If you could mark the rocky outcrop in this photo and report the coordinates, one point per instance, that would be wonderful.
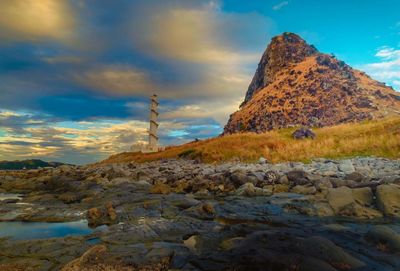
(295, 85)
(184, 215)
(281, 52)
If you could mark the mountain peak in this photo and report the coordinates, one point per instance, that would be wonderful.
(296, 85)
(283, 50)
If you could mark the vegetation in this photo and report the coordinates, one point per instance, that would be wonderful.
(27, 164)
(371, 138)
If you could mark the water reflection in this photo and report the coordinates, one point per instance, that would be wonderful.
(43, 230)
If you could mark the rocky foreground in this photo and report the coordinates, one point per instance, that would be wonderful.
(183, 215)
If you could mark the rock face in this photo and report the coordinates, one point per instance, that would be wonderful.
(296, 85)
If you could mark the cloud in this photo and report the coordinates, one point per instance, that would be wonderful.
(200, 84)
(32, 20)
(387, 69)
(29, 135)
(119, 79)
(388, 53)
(280, 5)
(91, 140)
(89, 101)
(197, 34)
(217, 110)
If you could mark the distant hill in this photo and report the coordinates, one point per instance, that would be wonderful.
(27, 164)
(297, 85)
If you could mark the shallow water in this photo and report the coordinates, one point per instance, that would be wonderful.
(42, 230)
(4, 196)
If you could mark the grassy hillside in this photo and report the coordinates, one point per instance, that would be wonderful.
(372, 138)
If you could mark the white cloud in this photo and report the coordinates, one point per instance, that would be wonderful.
(387, 69)
(388, 53)
(280, 5)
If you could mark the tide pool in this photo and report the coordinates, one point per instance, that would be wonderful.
(42, 230)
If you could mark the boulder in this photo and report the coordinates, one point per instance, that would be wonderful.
(356, 176)
(363, 196)
(303, 133)
(339, 198)
(352, 202)
(248, 189)
(297, 177)
(305, 190)
(346, 166)
(239, 177)
(388, 199)
(262, 161)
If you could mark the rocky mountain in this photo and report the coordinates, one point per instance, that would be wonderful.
(295, 84)
(27, 164)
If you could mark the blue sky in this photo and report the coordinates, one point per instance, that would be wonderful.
(75, 76)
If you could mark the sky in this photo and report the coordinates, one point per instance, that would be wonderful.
(76, 75)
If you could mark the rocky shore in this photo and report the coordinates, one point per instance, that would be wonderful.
(184, 215)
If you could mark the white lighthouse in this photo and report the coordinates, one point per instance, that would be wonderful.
(152, 145)
(153, 138)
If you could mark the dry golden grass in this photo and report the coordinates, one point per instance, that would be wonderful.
(373, 138)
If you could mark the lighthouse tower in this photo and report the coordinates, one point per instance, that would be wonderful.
(153, 138)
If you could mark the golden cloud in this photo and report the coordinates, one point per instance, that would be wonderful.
(116, 79)
(191, 35)
(36, 19)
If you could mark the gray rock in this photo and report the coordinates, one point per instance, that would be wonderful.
(298, 177)
(356, 176)
(303, 133)
(388, 199)
(346, 166)
(248, 189)
(262, 161)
